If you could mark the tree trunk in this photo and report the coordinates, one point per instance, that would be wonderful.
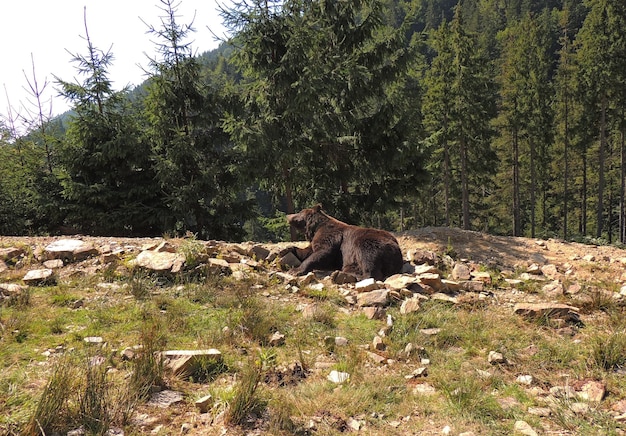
(622, 207)
(465, 186)
(565, 169)
(289, 200)
(517, 222)
(533, 189)
(601, 152)
(583, 208)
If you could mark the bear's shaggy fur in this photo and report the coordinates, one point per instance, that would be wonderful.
(335, 245)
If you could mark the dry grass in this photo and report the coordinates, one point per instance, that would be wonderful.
(66, 390)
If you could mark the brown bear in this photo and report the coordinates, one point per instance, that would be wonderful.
(335, 245)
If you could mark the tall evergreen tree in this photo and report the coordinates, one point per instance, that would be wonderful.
(106, 178)
(194, 163)
(600, 56)
(321, 122)
(473, 109)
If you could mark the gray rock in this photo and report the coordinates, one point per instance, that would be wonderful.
(410, 305)
(373, 298)
(39, 277)
(186, 363)
(549, 310)
(461, 272)
(158, 261)
(165, 399)
(69, 250)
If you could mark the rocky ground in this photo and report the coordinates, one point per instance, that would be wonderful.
(570, 283)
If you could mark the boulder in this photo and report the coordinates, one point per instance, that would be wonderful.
(547, 310)
(373, 298)
(69, 250)
(186, 363)
(39, 277)
(163, 261)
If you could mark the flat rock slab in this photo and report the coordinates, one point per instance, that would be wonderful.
(39, 277)
(373, 298)
(184, 363)
(165, 399)
(159, 260)
(70, 250)
(551, 310)
(10, 253)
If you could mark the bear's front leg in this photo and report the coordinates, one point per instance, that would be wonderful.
(322, 260)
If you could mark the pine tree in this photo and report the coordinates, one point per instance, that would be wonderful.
(472, 112)
(106, 178)
(195, 166)
(322, 118)
(600, 56)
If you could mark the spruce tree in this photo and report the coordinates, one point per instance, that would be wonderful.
(196, 168)
(106, 176)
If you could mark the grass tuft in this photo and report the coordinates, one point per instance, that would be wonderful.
(246, 399)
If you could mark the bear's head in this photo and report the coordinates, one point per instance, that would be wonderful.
(307, 221)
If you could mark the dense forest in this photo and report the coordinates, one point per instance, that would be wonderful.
(504, 116)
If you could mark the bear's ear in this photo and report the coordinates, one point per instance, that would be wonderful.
(317, 207)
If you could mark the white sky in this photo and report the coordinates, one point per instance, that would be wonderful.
(48, 29)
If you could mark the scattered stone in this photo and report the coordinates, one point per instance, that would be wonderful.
(9, 254)
(204, 404)
(70, 250)
(342, 278)
(523, 428)
(217, 266)
(376, 358)
(481, 276)
(354, 424)
(410, 305)
(37, 277)
(93, 340)
(547, 310)
(419, 372)
(461, 272)
(403, 281)
(431, 280)
(373, 298)
(53, 264)
(310, 311)
(277, 339)
(496, 358)
(540, 411)
(430, 331)
(550, 271)
(592, 391)
(11, 291)
(419, 257)
(187, 363)
(158, 261)
(260, 253)
(444, 297)
(372, 312)
(307, 279)
(424, 389)
(378, 344)
(525, 379)
(553, 289)
(574, 289)
(165, 399)
(338, 377)
(579, 408)
(367, 285)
